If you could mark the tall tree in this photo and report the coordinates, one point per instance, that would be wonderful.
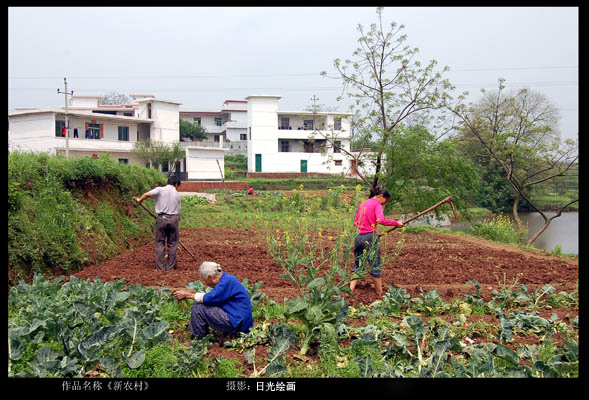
(388, 86)
(192, 130)
(519, 132)
(158, 154)
(419, 171)
(114, 98)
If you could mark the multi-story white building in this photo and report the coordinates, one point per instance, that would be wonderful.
(96, 129)
(274, 141)
(296, 141)
(227, 126)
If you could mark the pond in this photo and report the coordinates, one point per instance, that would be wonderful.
(563, 231)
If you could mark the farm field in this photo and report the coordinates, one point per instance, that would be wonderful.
(428, 261)
(454, 305)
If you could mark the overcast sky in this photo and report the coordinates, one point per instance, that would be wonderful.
(201, 57)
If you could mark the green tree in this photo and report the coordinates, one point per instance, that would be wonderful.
(419, 171)
(494, 192)
(192, 130)
(158, 154)
(388, 86)
(519, 133)
(114, 98)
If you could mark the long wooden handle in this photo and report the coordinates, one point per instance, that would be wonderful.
(179, 241)
(446, 200)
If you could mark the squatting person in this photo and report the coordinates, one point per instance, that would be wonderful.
(167, 207)
(368, 216)
(226, 309)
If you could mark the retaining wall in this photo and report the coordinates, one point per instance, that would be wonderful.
(195, 186)
(286, 175)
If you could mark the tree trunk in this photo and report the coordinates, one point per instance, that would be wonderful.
(539, 232)
(515, 214)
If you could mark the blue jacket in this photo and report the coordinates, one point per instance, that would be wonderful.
(233, 298)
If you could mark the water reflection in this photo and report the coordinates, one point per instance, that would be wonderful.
(563, 231)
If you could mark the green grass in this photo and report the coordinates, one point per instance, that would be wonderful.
(63, 212)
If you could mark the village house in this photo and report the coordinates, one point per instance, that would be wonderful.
(226, 127)
(275, 141)
(96, 129)
(296, 141)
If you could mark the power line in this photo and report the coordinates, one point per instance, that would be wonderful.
(218, 89)
(269, 75)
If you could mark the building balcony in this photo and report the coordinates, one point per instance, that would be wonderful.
(305, 134)
(204, 143)
(83, 144)
(215, 129)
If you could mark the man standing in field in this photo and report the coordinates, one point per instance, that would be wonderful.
(226, 309)
(366, 248)
(167, 207)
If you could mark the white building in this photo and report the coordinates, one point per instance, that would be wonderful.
(296, 141)
(95, 129)
(227, 126)
(274, 141)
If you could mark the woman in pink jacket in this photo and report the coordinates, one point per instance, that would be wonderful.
(368, 217)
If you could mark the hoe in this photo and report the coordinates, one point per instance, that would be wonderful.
(179, 241)
(446, 200)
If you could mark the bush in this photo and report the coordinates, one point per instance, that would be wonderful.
(63, 212)
(500, 228)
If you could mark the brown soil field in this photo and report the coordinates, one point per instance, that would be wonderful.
(427, 260)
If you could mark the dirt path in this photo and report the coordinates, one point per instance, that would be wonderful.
(427, 260)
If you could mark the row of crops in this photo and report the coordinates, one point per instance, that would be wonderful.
(83, 328)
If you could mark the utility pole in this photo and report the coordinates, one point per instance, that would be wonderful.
(314, 98)
(67, 127)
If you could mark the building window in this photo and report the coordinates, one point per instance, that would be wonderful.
(243, 136)
(284, 148)
(308, 124)
(93, 131)
(124, 133)
(59, 125)
(124, 160)
(308, 146)
(216, 139)
(104, 112)
(284, 123)
(128, 114)
(165, 167)
(218, 121)
(338, 163)
(337, 146)
(149, 110)
(337, 124)
(197, 120)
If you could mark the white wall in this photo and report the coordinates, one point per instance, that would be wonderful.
(112, 155)
(84, 101)
(166, 125)
(32, 132)
(291, 162)
(201, 163)
(263, 123)
(111, 128)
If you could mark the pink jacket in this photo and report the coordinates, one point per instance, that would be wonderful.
(369, 215)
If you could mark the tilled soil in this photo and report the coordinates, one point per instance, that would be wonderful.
(427, 260)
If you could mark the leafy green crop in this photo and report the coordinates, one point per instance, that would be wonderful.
(96, 324)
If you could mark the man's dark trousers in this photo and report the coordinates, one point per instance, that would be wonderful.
(166, 228)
